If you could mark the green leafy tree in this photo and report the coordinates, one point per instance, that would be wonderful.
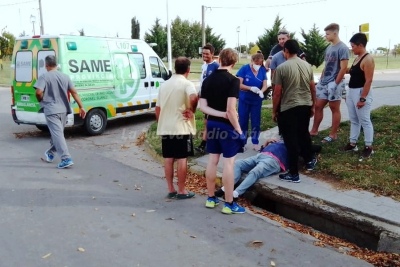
(314, 46)
(183, 34)
(215, 40)
(269, 39)
(7, 41)
(135, 28)
(187, 38)
(158, 35)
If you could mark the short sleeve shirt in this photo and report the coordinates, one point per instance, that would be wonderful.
(173, 99)
(333, 55)
(55, 86)
(207, 69)
(250, 79)
(277, 59)
(295, 76)
(217, 88)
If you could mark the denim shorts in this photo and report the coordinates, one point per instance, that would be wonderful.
(222, 139)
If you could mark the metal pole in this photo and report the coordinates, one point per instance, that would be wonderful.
(33, 24)
(169, 40)
(203, 26)
(41, 18)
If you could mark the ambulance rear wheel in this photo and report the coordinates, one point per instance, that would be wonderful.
(95, 122)
(43, 128)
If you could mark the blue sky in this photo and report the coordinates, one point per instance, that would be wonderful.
(101, 18)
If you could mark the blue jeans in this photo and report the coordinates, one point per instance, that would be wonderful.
(257, 167)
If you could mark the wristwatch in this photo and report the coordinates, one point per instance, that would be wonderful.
(362, 99)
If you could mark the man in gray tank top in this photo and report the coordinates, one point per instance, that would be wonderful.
(331, 84)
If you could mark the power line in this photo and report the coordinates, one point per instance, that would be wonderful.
(279, 5)
(20, 3)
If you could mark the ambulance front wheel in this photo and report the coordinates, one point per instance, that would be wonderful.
(95, 122)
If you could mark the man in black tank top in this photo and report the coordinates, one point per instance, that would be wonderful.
(359, 97)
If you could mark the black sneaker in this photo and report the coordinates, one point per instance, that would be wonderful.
(366, 153)
(349, 147)
(294, 178)
(310, 166)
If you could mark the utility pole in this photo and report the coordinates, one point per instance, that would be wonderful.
(41, 18)
(169, 43)
(203, 26)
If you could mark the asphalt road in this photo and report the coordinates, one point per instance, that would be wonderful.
(109, 210)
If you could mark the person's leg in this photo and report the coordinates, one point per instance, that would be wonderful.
(336, 117)
(318, 115)
(243, 165)
(169, 174)
(304, 138)
(227, 178)
(335, 98)
(322, 100)
(255, 115)
(181, 172)
(265, 167)
(211, 173)
(288, 129)
(353, 96)
(56, 124)
(244, 113)
(364, 115)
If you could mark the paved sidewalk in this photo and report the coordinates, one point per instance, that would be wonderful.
(375, 213)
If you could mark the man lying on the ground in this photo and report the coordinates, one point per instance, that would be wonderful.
(271, 159)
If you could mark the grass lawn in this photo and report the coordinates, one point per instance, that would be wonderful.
(380, 174)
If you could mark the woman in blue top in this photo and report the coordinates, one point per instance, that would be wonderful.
(253, 84)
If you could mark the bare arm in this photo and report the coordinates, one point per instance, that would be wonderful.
(276, 101)
(210, 111)
(313, 97)
(39, 94)
(158, 111)
(75, 95)
(242, 86)
(232, 114)
(368, 66)
(342, 72)
(264, 86)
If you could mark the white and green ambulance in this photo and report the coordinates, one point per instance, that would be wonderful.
(114, 77)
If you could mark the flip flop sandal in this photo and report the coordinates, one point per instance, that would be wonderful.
(185, 196)
(172, 195)
(328, 139)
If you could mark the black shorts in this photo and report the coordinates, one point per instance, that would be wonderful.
(177, 146)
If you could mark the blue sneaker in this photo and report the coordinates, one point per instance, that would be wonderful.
(65, 163)
(233, 208)
(212, 202)
(310, 166)
(48, 156)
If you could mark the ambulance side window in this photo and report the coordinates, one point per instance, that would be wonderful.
(23, 66)
(155, 67)
(137, 60)
(41, 68)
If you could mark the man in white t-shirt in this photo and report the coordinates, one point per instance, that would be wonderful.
(175, 108)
